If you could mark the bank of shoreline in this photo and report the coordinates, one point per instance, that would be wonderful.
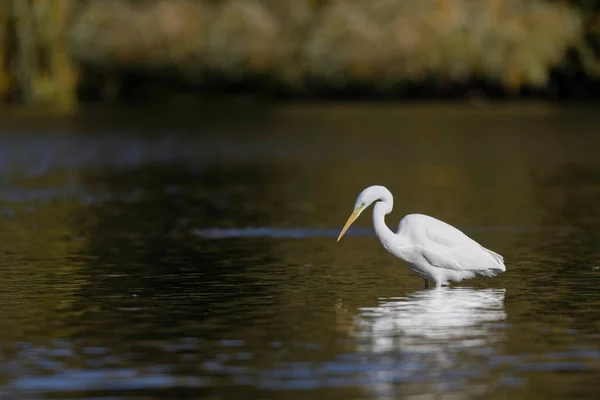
(71, 52)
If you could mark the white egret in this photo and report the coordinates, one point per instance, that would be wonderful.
(433, 249)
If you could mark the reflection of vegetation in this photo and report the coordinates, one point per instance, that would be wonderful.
(294, 45)
(570, 196)
(142, 243)
(552, 273)
(41, 268)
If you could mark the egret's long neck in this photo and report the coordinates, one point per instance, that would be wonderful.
(385, 234)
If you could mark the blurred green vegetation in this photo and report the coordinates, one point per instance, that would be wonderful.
(37, 65)
(60, 51)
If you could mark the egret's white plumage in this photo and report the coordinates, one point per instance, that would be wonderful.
(433, 249)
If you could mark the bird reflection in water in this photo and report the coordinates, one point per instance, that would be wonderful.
(431, 318)
(430, 337)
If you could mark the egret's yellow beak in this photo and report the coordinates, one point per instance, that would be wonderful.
(351, 219)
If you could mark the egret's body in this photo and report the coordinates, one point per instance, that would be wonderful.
(433, 249)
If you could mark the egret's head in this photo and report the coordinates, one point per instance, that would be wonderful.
(364, 200)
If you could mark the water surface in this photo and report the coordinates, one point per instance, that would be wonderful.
(195, 257)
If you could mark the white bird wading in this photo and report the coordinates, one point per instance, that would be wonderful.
(433, 249)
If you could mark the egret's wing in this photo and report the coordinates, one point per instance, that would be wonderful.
(460, 260)
(447, 247)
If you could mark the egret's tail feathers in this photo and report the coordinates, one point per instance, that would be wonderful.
(496, 255)
(499, 260)
(490, 273)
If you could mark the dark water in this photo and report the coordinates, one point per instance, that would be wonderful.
(159, 258)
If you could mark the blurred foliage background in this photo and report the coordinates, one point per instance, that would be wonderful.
(64, 52)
